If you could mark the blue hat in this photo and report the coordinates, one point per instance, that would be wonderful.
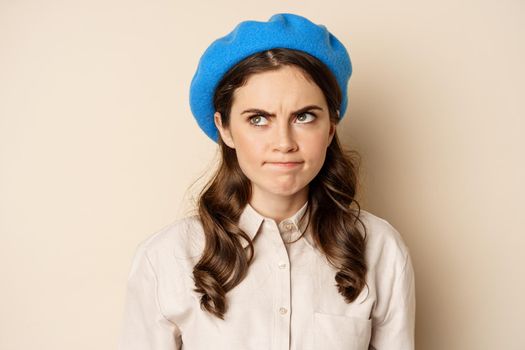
(283, 30)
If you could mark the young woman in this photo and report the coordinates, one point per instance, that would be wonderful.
(278, 256)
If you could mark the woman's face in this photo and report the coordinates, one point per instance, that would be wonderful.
(280, 129)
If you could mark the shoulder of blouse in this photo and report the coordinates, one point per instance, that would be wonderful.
(384, 242)
(183, 238)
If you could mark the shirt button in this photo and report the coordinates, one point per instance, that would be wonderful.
(283, 310)
(288, 226)
(282, 265)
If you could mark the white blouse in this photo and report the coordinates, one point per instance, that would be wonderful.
(288, 299)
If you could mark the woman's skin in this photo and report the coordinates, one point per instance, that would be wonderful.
(278, 191)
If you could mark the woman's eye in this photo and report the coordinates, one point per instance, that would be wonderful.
(301, 117)
(256, 119)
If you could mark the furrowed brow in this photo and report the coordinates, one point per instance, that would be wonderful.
(263, 112)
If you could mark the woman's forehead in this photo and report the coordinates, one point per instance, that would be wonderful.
(286, 85)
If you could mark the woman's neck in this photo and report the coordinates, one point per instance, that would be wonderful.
(278, 207)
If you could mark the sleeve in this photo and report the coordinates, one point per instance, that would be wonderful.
(144, 326)
(394, 329)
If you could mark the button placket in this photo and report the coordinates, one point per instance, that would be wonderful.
(282, 299)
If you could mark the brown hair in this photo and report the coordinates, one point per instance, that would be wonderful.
(224, 262)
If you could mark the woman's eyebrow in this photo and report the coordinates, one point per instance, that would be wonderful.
(261, 111)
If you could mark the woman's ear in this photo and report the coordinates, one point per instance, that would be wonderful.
(225, 132)
(332, 129)
(332, 132)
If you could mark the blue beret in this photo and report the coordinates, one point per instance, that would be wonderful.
(283, 30)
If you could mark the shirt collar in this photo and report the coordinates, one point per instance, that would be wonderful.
(251, 220)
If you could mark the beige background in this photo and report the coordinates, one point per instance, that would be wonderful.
(98, 148)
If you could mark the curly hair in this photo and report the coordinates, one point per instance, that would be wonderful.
(334, 222)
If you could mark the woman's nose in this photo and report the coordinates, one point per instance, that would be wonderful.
(284, 138)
